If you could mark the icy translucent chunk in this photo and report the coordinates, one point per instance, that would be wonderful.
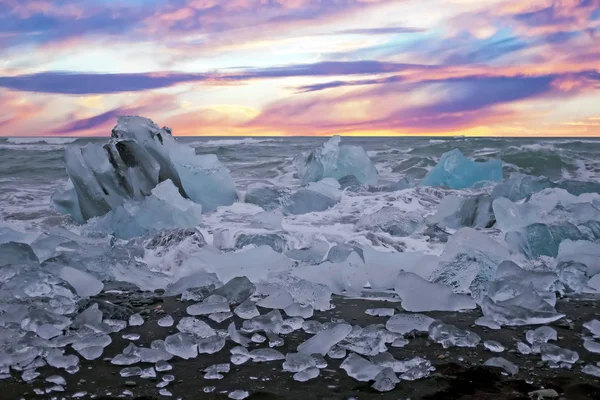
(317, 196)
(181, 345)
(17, 253)
(523, 348)
(527, 308)
(493, 346)
(298, 310)
(580, 251)
(274, 340)
(148, 373)
(210, 305)
(322, 342)
(512, 280)
(538, 239)
(456, 212)
(307, 374)
(246, 310)
(449, 335)
(335, 161)
(469, 261)
(269, 198)
(520, 186)
(136, 320)
(279, 300)
(265, 355)
(200, 279)
(296, 362)
(385, 381)
(271, 321)
(340, 252)
(540, 336)
(237, 290)
(162, 366)
(594, 327)
(360, 369)
(195, 327)
(504, 364)
(211, 345)
(455, 171)
(380, 312)
(220, 317)
(57, 380)
(557, 354)
(165, 392)
(391, 220)
(405, 323)
(235, 336)
(166, 321)
(591, 370)
(417, 295)
(125, 359)
(163, 209)
(131, 336)
(85, 284)
(591, 345)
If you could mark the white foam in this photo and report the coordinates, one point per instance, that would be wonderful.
(47, 140)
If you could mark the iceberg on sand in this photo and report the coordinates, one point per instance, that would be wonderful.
(455, 171)
(139, 156)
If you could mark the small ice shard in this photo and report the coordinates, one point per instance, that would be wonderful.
(591, 345)
(220, 317)
(29, 375)
(404, 323)
(336, 161)
(594, 327)
(278, 300)
(298, 310)
(391, 220)
(399, 342)
(336, 352)
(265, 355)
(469, 261)
(58, 360)
(493, 346)
(296, 362)
(237, 290)
(166, 321)
(557, 354)
(136, 320)
(162, 366)
(312, 327)
(540, 336)
(523, 348)
(85, 284)
(385, 380)
(211, 345)
(215, 371)
(488, 322)
(449, 335)
(148, 373)
(246, 310)
(238, 394)
(154, 354)
(195, 327)
(130, 371)
(236, 336)
(165, 392)
(125, 359)
(57, 380)
(456, 212)
(274, 340)
(131, 336)
(91, 353)
(210, 305)
(360, 369)
(594, 282)
(272, 321)
(313, 254)
(380, 312)
(181, 345)
(258, 338)
(307, 374)
(417, 295)
(455, 171)
(317, 196)
(322, 342)
(504, 364)
(591, 370)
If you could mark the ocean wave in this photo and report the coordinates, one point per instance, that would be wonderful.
(41, 140)
(230, 142)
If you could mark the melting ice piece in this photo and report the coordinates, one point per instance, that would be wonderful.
(469, 262)
(246, 310)
(385, 381)
(136, 320)
(417, 295)
(340, 252)
(366, 341)
(322, 342)
(520, 186)
(195, 327)
(307, 374)
(391, 220)
(166, 321)
(457, 172)
(335, 161)
(449, 335)
(504, 364)
(125, 359)
(557, 354)
(405, 323)
(265, 355)
(237, 290)
(512, 280)
(591, 370)
(130, 371)
(384, 265)
(296, 362)
(220, 317)
(538, 239)
(317, 196)
(580, 251)
(163, 209)
(211, 345)
(594, 282)
(591, 345)
(493, 346)
(238, 394)
(380, 312)
(85, 284)
(523, 348)
(271, 321)
(280, 299)
(594, 327)
(236, 336)
(210, 305)
(269, 198)
(456, 212)
(181, 345)
(298, 310)
(527, 308)
(540, 336)
(360, 369)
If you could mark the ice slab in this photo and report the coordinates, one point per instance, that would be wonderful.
(594, 327)
(237, 290)
(195, 328)
(449, 335)
(360, 369)
(181, 345)
(539, 239)
(280, 299)
(520, 186)
(391, 220)
(503, 363)
(85, 284)
(266, 355)
(385, 265)
(512, 280)
(464, 211)
(455, 171)
(317, 196)
(322, 342)
(335, 161)
(405, 323)
(268, 198)
(527, 308)
(551, 352)
(580, 251)
(493, 346)
(17, 253)
(419, 295)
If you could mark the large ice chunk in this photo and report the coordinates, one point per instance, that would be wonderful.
(317, 196)
(520, 186)
(335, 161)
(163, 209)
(383, 267)
(391, 220)
(138, 157)
(456, 212)
(85, 284)
(580, 251)
(322, 342)
(538, 239)
(528, 308)
(267, 197)
(419, 295)
(469, 262)
(457, 172)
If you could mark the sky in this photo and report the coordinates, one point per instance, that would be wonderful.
(302, 67)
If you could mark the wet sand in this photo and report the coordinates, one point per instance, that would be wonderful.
(459, 374)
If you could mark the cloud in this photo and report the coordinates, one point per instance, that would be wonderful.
(380, 31)
(94, 122)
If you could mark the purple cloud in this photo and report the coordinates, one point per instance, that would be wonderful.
(93, 122)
